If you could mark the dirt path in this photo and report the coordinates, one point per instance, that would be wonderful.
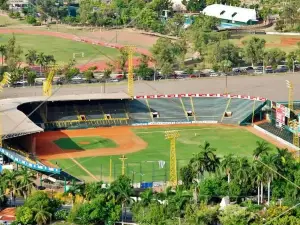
(126, 140)
(84, 169)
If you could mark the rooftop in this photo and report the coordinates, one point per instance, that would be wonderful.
(16, 123)
(233, 13)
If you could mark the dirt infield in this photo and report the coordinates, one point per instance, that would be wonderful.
(126, 140)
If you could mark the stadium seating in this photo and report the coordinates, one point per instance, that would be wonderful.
(169, 109)
(282, 133)
(211, 108)
(67, 115)
(240, 108)
(138, 111)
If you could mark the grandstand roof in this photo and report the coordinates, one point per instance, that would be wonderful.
(227, 12)
(16, 123)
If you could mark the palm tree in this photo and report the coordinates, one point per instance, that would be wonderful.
(211, 161)
(31, 57)
(42, 215)
(257, 178)
(10, 182)
(76, 189)
(227, 164)
(262, 148)
(269, 172)
(2, 51)
(49, 59)
(40, 60)
(147, 197)
(242, 170)
(25, 181)
(93, 189)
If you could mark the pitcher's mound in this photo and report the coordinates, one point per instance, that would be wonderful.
(84, 142)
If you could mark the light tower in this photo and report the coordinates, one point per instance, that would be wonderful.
(123, 158)
(172, 135)
(290, 86)
(294, 124)
(5, 81)
(130, 51)
(47, 84)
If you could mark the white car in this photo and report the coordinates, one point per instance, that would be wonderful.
(258, 72)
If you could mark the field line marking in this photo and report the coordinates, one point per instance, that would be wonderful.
(83, 168)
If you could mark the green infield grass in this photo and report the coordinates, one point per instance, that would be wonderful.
(61, 49)
(144, 165)
(84, 143)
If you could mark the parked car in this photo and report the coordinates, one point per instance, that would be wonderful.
(258, 71)
(114, 80)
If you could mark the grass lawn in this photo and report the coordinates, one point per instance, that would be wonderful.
(62, 49)
(7, 21)
(143, 165)
(270, 40)
(84, 143)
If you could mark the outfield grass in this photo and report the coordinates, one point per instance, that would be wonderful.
(84, 143)
(144, 164)
(62, 49)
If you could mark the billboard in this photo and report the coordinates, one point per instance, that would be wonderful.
(280, 115)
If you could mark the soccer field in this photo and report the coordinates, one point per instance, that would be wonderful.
(61, 49)
(144, 165)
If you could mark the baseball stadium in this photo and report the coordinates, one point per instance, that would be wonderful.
(82, 133)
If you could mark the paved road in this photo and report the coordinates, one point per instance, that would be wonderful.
(270, 86)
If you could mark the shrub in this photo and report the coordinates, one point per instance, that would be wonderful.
(61, 214)
(31, 19)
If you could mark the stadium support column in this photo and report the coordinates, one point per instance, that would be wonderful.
(172, 135)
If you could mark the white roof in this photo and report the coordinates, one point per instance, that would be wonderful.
(226, 12)
(16, 123)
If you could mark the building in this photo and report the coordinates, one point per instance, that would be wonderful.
(17, 4)
(232, 14)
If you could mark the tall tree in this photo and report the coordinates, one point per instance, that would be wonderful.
(122, 59)
(254, 50)
(42, 214)
(41, 60)
(229, 162)
(2, 51)
(25, 180)
(194, 5)
(262, 148)
(31, 57)
(13, 54)
(273, 57)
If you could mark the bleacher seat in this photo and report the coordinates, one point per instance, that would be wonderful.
(240, 108)
(210, 108)
(168, 109)
(282, 133)
(138, 111)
